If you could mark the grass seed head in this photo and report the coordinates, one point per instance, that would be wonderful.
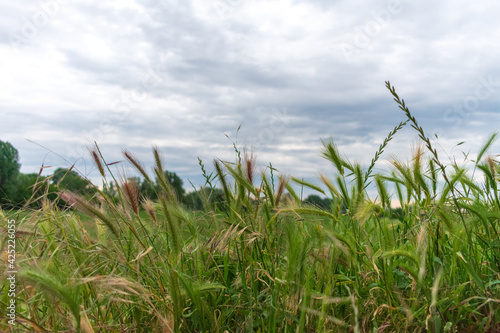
(281, 187)
(137, 164)
(98, 162)
(249, 166)
(148, 206)
(129, 186)
(491, 164)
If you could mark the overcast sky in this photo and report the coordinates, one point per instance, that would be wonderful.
(184, 74)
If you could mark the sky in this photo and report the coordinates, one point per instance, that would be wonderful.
(186, 75)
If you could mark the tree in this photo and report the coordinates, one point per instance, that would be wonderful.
(195, 200)
(26, 186)
(9, 169)
(70, 180)
(316, 200)
(148, 190)
(176, 183)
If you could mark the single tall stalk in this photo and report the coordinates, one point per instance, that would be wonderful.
(427, 141)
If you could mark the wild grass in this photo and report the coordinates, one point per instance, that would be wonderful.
(262, 260)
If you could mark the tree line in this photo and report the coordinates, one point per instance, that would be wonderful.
(18, 189)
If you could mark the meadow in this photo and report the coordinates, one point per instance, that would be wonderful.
(259, 259)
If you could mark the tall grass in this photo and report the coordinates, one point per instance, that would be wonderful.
(262, 260)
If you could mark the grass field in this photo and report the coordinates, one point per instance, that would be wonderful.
(262, 260)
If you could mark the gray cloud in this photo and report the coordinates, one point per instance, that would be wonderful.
(183, 75)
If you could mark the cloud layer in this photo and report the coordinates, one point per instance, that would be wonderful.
(183, 75)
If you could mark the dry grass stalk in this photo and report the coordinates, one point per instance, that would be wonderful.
(98, 162)
(129, 186)
(137, 164)
(81, 204)
(491, 164)
(148, 206)
(249, 166)
(281, 187)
